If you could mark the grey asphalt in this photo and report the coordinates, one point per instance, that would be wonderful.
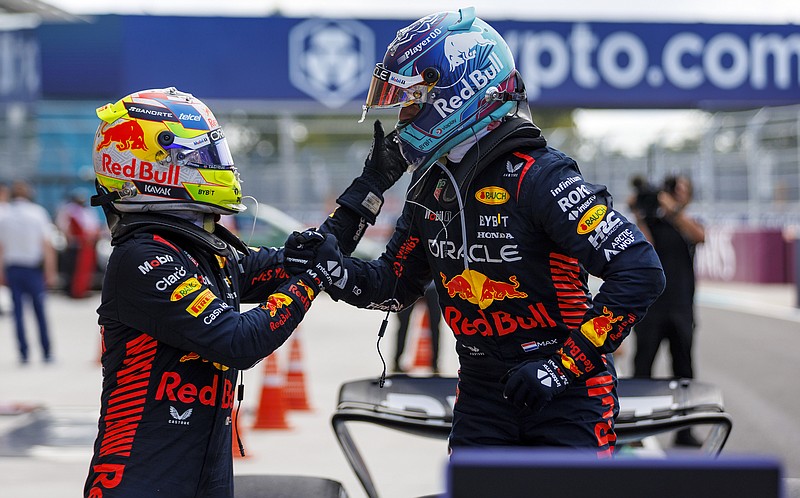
(339, 345)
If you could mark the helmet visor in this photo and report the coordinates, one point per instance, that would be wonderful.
(209, 150)
(389, 89)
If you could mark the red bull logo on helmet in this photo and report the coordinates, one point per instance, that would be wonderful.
(461, 47)
(597, 329)
(275, 302)
(141, 170)
(479, 289)
(128, 135)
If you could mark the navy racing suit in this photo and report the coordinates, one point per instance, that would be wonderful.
(510, 250)
(173, 341)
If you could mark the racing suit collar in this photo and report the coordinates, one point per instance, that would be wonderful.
(458, 152)
(221, 242)
(511, 134)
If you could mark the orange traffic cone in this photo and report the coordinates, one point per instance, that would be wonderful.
(272, 405)
(236, 435)
(424, 354)
(296, 398)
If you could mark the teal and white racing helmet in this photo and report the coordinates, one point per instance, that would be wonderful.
(451, 74)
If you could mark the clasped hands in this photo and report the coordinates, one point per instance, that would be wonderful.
(315, 255)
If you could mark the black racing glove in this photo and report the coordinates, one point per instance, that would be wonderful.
(384, 164)
(534, 383)
(316, 255)
(382, 168)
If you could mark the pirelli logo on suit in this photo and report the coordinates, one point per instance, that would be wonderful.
(200, 303)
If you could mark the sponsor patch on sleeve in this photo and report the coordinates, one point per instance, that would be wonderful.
(188, 286)
(200, 303)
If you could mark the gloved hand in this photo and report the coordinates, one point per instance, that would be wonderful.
(383, 167)
(384, 164)
(316, 255)
(534, 383)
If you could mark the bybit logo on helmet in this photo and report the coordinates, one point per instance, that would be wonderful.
(479, 79)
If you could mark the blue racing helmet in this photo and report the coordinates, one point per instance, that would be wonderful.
(451, 74)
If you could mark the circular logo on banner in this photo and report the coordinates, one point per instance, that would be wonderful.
(331, 60)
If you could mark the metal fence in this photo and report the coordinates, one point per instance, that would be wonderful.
(745, 165)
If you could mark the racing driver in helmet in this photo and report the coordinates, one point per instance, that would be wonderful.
(508, 229)
(173, 336)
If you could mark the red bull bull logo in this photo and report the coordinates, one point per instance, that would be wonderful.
(569, 363)
(309, 290)
(128, 135)
(275, 302)
(479, 289)
(597, 329)
(189, 357)
(194, 356)
(460, 48)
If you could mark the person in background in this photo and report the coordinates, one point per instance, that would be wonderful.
(431, 302)
(661, 213)
(81, 227)
(29, 261)
(507, 228)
